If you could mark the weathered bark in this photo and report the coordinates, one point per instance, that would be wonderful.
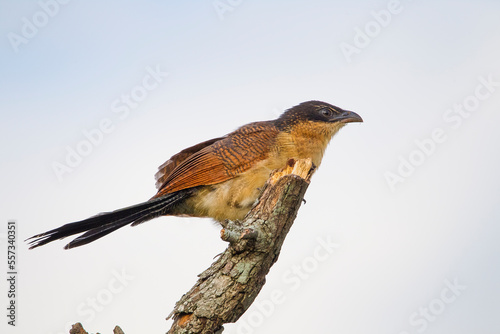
(226, 289)
(78, 329)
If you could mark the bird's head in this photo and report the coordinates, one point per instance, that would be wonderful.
(318, 111)
(317, 116)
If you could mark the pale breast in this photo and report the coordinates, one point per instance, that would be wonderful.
(231, 199)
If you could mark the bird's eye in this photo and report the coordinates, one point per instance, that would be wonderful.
(326, 112)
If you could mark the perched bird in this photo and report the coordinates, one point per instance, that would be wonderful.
(220, 178)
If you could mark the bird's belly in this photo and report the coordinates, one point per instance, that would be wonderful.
(231, 199)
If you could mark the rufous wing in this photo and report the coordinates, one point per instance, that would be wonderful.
(217, 160)
(168, 166)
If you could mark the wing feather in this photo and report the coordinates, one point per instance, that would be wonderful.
(220, 159)
(168, 166)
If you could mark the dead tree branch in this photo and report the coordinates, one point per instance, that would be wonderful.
(226, 289)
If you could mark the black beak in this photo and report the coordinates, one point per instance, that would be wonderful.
(347, 117)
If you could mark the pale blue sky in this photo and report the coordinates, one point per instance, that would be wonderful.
(399, 248)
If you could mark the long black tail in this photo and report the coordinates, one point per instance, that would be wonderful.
(106, 222)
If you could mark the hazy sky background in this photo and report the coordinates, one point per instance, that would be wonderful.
(420, 256)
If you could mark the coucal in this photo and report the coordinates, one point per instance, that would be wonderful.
(220, 178)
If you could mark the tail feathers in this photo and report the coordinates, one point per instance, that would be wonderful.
(101, 231)
(107, 222)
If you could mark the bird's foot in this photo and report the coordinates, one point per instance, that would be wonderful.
(239, 237)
